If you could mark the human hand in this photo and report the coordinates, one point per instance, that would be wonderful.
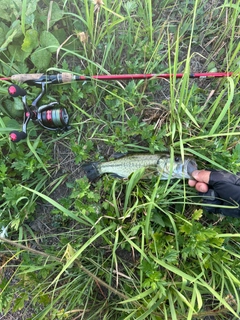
(218, 188)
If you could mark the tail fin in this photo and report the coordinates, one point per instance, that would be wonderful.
(91, 170)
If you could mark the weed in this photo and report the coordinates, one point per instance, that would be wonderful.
(118, 249)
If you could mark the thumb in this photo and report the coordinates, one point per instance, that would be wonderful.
(201, 175)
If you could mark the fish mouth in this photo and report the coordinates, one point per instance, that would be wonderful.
(185, 169)
(191, 166)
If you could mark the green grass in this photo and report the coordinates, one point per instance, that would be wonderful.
(118, 249)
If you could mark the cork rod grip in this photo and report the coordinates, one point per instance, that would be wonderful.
(64, 77)
(26, 77)
(67, 77)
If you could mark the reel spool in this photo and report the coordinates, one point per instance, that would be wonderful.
(53, 119)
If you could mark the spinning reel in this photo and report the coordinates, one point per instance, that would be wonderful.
(49, 116)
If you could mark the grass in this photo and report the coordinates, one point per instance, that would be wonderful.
(118, 249)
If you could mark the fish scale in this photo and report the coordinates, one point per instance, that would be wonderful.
(132, 164)
(161, 164)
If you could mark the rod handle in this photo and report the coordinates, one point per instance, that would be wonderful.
(38, 78)
(26, 77)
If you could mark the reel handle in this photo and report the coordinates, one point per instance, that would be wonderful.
(16, 91)
(16, 136)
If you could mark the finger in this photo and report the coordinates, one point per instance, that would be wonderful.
(192, 183)
(201, 187)
(201, 175)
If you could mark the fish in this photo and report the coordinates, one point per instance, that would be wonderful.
(161, 164)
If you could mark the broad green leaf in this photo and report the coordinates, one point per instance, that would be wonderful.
(41, 58)
(9, 39)
(17, 52)
(3, 32)
(60, 34)
(16, 7)
(18, 105)
(12, 8)
(30, 41)
(4, 5)
(185, 228)
(47, 40)
(8, 108)
(14, 32)
(19, 303)
(31, 7)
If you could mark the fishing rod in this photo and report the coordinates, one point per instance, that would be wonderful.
(39, 78)
(54, 118)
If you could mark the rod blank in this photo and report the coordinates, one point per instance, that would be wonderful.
(37, 78)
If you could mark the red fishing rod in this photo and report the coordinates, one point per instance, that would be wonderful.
(39, 78)
(53, 117)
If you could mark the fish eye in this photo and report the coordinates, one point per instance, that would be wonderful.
(177, 159)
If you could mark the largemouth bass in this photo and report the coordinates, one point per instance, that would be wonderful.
(160, 164)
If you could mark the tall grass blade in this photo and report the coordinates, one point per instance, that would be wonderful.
(225, 108)
(75, 255)
(33, 149)
(23, 16)
(85, 220)
(135, 177)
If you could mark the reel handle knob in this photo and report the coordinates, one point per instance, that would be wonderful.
(16, 136)
(16, 91)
